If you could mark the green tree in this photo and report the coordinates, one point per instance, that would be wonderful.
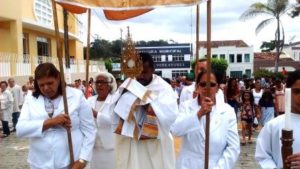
(116, 48)
(108, 65)
(268, 46)
(152, 43)
(274, 9)
(100, 48)
(219, 66)
(269, 74)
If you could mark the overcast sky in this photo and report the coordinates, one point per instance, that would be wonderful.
(178, 24)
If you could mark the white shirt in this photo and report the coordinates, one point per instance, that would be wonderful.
(268, 143)
(257, 96)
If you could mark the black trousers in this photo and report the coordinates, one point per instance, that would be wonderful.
(15, 117)
(5, 127)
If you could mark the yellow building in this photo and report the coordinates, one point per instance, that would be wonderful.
(27, 34)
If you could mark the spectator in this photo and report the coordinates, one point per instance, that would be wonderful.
(6, 103)
(17, 94)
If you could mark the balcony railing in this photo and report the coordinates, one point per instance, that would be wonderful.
(13, 65)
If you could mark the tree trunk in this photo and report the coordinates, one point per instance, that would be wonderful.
(277, 46)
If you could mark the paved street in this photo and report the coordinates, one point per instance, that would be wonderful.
(13, 153)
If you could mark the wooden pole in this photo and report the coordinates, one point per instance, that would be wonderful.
(62, 77)
(88, 54)
(197, 33)
(66, 38)
(206, 161)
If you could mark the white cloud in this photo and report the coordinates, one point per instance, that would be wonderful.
(178, 23)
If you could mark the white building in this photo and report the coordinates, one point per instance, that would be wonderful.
(170, 61)
(237, 53)
(292, 51)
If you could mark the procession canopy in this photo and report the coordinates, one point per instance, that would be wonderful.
(124, 14)
(121, 9)
(131, 63)
(130, 3)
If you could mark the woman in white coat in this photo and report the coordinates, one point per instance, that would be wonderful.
(6, 105)
(44, 122)
(224, 145)
(104, 149)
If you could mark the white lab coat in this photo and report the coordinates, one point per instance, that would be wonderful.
(6, 105)
(49, 149)
(268, 143)
(17, 94)
(187, 93)
(224, 139)
(104, 149)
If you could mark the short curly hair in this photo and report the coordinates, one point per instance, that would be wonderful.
(111, 80)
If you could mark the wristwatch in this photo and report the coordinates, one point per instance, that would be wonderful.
(83, 161)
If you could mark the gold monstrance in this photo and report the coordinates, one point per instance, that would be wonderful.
(131, 64)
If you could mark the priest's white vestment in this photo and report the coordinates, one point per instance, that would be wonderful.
(159, 153)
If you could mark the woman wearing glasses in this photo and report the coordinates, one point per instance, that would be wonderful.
(44, 122)
(224, 142)
(103, 152)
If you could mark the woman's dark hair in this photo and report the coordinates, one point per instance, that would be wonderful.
(232, 90)
(292, 78)
(4, 82)
(45, 70)
(251, 99)
(204, 72)
(147, 58)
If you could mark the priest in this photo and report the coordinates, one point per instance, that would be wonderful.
(145, 109)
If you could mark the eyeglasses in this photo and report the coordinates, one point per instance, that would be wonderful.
(100, 82)
(204, 84)
(296, 91)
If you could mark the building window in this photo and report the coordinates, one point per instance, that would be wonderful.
(236, 74)
(248, 73)
(178, 58)
(176, 73)
(222, 56)
(43, 11)
(239, 58)
(247, 57)
(25, 48)
(43, 46)
(214, 56)
(231, 58)
(156, 58)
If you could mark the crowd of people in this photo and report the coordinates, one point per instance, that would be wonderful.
(131, 124)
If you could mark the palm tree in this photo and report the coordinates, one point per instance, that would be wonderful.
(296, 10)
(274, 9)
